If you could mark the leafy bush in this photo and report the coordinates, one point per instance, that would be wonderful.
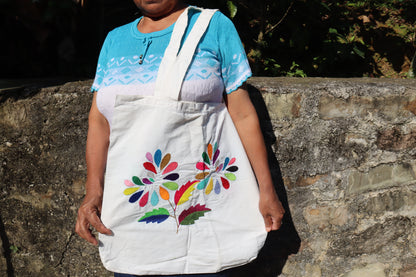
(300, 38)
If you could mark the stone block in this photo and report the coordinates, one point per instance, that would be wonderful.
(408, 273)
(388, 201)
(373, 239)
(285, 106)
(324, 216)
(389, 106)
(371, 270)
(394, 139)
(411, 107)
(307, 181)
(331, 107)
(382, 176)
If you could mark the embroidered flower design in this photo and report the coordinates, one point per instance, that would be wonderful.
(160, 182)
(215, 172)
(160, 176)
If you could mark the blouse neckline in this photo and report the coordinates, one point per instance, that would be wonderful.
(136, 33)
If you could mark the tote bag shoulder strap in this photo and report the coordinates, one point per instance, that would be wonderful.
(174, 65)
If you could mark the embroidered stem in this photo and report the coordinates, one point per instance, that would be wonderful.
(174, 216)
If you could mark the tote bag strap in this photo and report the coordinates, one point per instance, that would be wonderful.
(174, 65)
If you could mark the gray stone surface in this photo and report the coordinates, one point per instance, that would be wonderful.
(342, 153)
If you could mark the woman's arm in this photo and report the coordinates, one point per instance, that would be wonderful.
(96, 156)
(247, 124)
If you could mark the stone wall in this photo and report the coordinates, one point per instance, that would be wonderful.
(342, 153)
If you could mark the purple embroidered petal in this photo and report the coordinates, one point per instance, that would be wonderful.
(147, 181)
(217, 188)
(217, 153)
(172, 177)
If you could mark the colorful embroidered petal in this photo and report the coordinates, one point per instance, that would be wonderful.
(154, 199)
(219, 168)
(172, 177)
(128, 183)
(232, 161)
(202, 184)
(171, 185)
(230, 176)
(225, 183)
(171, 167)
(201, 175)
(206, 158)
(215, 147)
(149, 157)
(189, 216)
(147, 181)
(165, 161)
(157, 215)
(135, 196)
(209, 150)
(217, 188)
(210, 186)
(217, 153)
(183, 194)
(144, 199)
(150, 167)
(226, 161)
(164, 193)
(137, 181)
(201, 166)
(130, 191)
(232, 168)
(158, 157)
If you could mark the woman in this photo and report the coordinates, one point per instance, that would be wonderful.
(138, 47)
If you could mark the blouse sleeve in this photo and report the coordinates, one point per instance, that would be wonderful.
(101, 66)
(235, 68)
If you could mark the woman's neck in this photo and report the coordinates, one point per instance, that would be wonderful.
(149, 24)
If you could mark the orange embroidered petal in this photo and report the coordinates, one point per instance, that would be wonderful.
(163, 193)
(209, 148)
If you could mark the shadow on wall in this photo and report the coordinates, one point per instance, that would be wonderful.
(6, 249)
(285, 241)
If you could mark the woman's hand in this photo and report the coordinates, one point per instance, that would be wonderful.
(96, 156)
(89, 216)
(272, 210)
(245, 119)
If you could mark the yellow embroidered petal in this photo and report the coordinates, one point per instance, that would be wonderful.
(129, 191)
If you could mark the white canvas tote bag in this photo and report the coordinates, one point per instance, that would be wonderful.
(179, 195)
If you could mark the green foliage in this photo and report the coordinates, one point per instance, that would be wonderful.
(281, 37)
(14, 249)
(327, 38)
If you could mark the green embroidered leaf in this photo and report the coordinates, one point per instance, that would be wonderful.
(171, 185)
(189, 216)
(157, 215)
(137, 181)
(206, 158)
(230, 176)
